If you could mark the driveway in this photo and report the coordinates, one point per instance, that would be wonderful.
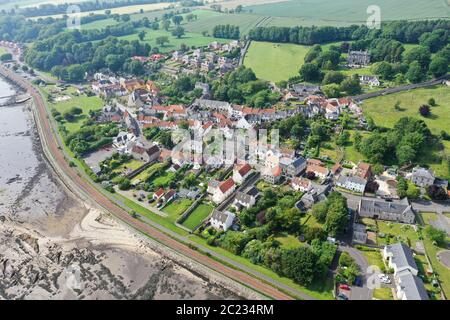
(358, 293)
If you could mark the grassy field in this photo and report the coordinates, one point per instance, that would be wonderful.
(198, 215)
(275, 62)
(381, 109)
(190, 39)
(350, 11)
(207, 19)
(121, 10)
(176, 208)
(82, 101)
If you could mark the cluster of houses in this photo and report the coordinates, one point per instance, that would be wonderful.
(207, 61)
(17, 48)
(358, 59)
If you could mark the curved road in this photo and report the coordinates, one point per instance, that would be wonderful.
(248, 277)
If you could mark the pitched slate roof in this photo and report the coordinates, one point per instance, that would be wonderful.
(402, 255)
(413, 287)
(374, 206)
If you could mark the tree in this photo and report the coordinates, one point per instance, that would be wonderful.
(166, 24)
(310, 175)
(299, 264)
(337, 215)
(415, 73)
(438, 66)
(162, 40)
(419, 54)
(432, 102)
(333, 77)
(436, 235)
(437, 193)
(6, 57)
(372, 186)
(310, 72)
(384, 70)
(319, 211)
(177, 20)
(178, 32)
(351, 85)
(424, 110)
(141, 35)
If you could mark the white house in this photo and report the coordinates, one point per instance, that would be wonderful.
(241, 172)
(223, 191)
(400, 258)
(352, 183)
(301, 184)
(371, 81)
(243, 199)
(408, 285)
(222, 220)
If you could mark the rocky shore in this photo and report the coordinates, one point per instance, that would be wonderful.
(53, 246)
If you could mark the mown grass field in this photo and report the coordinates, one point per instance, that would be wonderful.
(81, 101)
(273, 61)
(176, 208)
(350, 11)
(198, 216)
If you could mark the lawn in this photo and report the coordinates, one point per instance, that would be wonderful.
(382, 111)
(130, 165)
(198, 216)
(374, 258)
(147, 173)
(163, 180)
(383, 294)
(176, 208)
(274, 61)
(288, 241)
(350, 11)
(441, 271)
(397, 232)
(82, 101)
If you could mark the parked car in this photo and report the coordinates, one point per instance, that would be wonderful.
(342, 296)
(344, 287)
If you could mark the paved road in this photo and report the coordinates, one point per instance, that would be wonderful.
(78, 183)
(400, 89)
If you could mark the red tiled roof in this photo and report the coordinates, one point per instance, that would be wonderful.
(226, 185)
(315, 168)
(244, 169)
(159, 193)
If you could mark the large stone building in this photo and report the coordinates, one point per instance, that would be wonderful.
(399, 211)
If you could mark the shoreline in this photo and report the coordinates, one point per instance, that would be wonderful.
(199, 270)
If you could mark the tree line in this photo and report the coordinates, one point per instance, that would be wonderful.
(226, 31)
(402, 31)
